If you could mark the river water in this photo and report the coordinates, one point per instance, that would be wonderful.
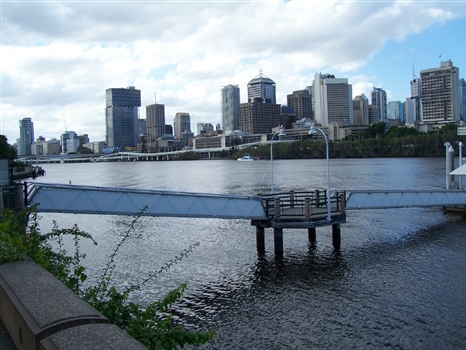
(398, 282)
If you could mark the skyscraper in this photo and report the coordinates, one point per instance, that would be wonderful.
(122, 112)
(379, 100)
(395, 111)
(361, 110)
(261, 113)
(155, 121)
(64, 138)
(182, 124)
(333, 100)
(262, 87)
(26, 136)
(301, 102)
(230, 108)
(440, 93)
(463, 99)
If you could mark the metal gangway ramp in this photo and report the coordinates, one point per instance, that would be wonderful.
(59, 198)
(385, 199)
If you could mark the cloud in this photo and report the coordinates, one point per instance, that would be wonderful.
(60, 57)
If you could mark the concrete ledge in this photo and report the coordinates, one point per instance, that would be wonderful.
(91, 337)
(35, 305)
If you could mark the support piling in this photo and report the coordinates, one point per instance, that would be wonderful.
(260, 239)
(336, 236)
(278, 241)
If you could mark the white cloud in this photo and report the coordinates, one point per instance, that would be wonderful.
(60, 57)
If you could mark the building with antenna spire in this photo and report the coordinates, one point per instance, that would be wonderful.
(261, 113)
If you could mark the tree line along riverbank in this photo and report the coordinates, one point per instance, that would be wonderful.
(374, 142)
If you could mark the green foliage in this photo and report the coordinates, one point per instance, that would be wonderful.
(84, 150)
(374, 142)
(187, 156)
(153, 325)
(6, 150)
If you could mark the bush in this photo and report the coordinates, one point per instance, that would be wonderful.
(153, 325)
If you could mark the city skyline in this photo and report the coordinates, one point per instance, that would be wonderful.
(56, 67)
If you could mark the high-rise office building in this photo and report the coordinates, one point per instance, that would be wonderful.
(26, 136)
(262, 87)
(333, 100)
(412, 110)
(257, 117)
(395, 111)
(64, 138)
(379, 99)
(416, 87)
(301, 102)
(441, 93)
(413, 105)
(230, 108)
(361, 110)
(261, 113)
(121, 116)
(182, 124)
(155, 121)
(463, 99)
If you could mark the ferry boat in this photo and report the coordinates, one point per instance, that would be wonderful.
(247, 158)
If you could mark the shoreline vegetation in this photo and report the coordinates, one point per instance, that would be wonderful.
(374, 142)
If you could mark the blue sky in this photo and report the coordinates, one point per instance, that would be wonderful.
(59, 57)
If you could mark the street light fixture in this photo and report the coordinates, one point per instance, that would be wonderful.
(313, 131)
(279, 133)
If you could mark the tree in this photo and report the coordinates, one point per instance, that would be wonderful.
(6, 150)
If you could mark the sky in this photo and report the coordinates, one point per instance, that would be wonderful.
(57, 58)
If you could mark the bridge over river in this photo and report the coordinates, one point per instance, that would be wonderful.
(306, 210)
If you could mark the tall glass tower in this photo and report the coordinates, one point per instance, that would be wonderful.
(379, 99)
(230, 108)
(121, 116)
(26, 136)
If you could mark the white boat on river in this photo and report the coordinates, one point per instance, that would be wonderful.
(247, 158)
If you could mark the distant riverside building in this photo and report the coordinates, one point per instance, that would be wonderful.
(72, 145)
(333, 100)
(463, 99)
(155, 121)
(84, 138)
(379, 99)
(361, 110)
(373, 114)
(230, 107)
(416, 87)
(182, 124)
(64, 138)
(262, 87)
(395, 111)
(97, 147)
(288, 117)
(301, 102)
(261, 113)
(441, 93)
(121, 116)
(45, 148)
(412, 110)
(257, 117)
(26, 136)
(204, 128)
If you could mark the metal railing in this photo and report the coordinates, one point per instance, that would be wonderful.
(292, 204)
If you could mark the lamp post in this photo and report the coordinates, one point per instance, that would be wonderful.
(313, 131)
(279, 133)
